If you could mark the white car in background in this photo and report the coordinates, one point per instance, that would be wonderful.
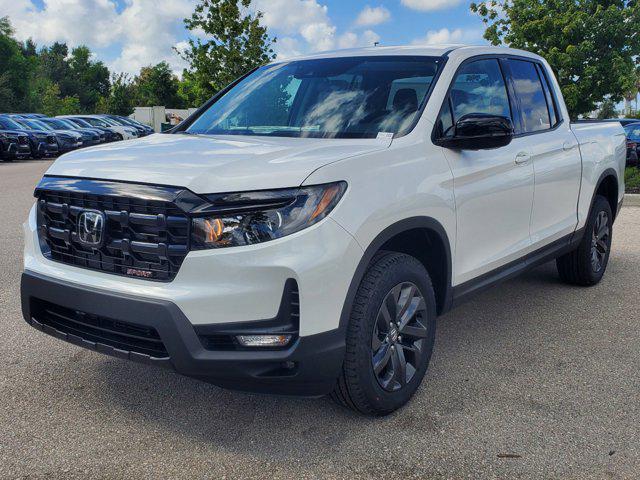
(128, 133)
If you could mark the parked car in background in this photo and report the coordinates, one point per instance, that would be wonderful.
(621, 121)
(628, 121)
(140, 124)
(632, 130)
(89, 137)
(67, 140)
(110, 134)
(143, 130)
(128, 133)
(14, 145)
(30, 115)
(41, 142)
(73, 122)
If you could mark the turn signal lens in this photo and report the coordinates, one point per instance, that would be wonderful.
(264, 340)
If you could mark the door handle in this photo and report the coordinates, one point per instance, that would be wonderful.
(522, 158)
(566, 146)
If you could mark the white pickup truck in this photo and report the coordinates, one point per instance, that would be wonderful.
(303, 230)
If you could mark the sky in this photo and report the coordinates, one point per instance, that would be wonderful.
(130, 34)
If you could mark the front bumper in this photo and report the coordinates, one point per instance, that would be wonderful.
(237, 284)
(308, 367)
(11, 150)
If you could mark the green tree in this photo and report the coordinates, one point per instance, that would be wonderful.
(16, 71)
(53, 104)
(90, 78)
(120, 100)
(592, 45)
(607, 110)
(157, 85)
(236, 43)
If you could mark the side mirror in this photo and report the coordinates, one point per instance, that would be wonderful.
(479, 131)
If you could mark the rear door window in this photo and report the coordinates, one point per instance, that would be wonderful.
(530, 96)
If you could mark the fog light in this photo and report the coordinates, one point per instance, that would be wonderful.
(264, 340)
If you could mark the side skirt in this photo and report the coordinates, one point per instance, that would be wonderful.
(465, 291)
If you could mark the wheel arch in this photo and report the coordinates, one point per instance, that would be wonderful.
(608, 186)
(421, 237)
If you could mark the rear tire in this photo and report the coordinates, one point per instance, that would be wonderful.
(390, 336)
(586, 265)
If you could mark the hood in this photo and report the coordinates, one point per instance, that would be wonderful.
(67, 133)
(42, 132)
(212, 164)
(18, 133)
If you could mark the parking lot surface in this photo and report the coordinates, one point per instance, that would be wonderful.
(532, 379)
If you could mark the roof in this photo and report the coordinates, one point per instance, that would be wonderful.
(414, 50)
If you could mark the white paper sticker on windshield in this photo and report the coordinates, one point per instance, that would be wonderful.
(385, 136)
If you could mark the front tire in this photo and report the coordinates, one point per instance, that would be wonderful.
(586, 265)
(390, 336)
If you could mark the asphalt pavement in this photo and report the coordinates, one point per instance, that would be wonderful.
(532, 379)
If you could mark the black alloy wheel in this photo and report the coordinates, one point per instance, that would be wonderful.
(390, 335)
(398, 336)
(600, 241)
(587, 263)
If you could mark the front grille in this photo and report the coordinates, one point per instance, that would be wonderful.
(142, 238)
(51, 140)
(123, 336)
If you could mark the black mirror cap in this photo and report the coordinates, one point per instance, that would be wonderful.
(479, 131)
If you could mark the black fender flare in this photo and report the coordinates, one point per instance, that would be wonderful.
(609, 172)
(383, 237)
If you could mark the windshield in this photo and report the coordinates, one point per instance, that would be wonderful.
(110, 122)
(78, 122)
(9, 124)
(69, 124)
(633, 132)
(94, 122)
(38, 125)
(56, 123)
(358, 97)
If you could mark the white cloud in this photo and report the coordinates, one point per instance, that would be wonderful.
(446, 36)
(288, 47)
(430, 5)
(146, 29)
(373, 16)
(144, 32)
(289, 16)
(151, 29)
(71, 21)
(307, 19)
(352, 40)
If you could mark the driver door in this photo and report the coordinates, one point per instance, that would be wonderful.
(493, 188)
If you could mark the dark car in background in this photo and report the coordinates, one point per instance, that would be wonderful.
(67, 140)
(72, 122)
(143, 130)
(89, 137)
(109, 134)
(632, 131)
(14, 145)
(41, 142)
(29, 115)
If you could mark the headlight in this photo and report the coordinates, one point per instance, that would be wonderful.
(234, 220)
